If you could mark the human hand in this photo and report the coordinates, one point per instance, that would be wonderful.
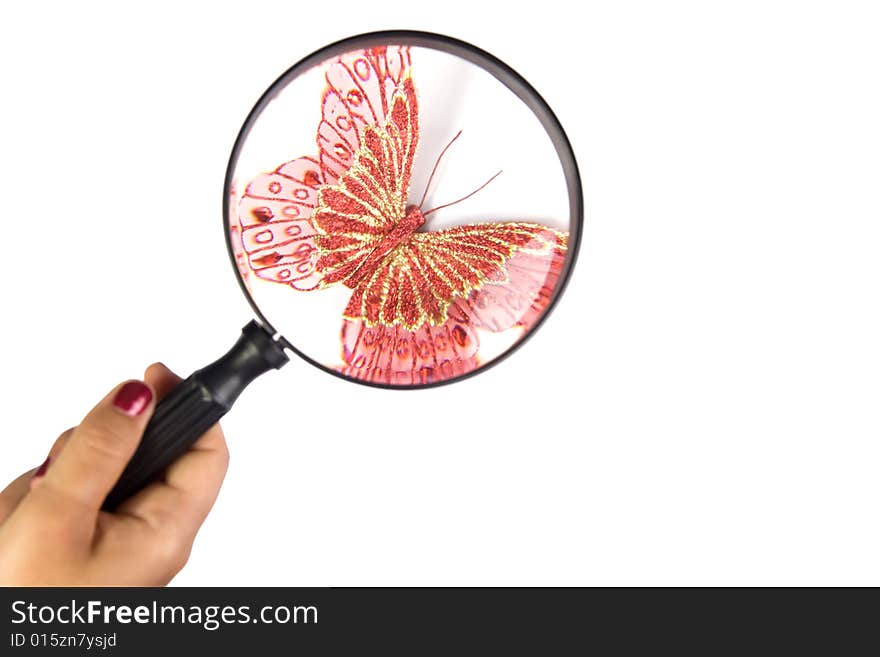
(52, 529)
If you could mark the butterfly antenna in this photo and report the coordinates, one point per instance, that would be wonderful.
(434, 170)
(463, 198)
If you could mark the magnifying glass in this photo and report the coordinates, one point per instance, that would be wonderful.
(402, 210)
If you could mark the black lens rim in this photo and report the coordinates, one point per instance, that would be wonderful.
(502, 72)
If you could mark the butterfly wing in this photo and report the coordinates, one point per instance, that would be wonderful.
(415, 319)
(360, 86)
(518, 301)
(277, 234)
(276, 228)
(421, 278)
(395, 356)
(353, 216)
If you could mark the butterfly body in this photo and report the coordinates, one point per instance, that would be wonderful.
(398, 234)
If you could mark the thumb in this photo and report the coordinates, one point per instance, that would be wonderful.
(101, 446)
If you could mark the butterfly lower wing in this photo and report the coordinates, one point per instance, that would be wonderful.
(369, 199)
(435, 291)
(395, 356)
(277, 233)
(420, 280)
(518, 301)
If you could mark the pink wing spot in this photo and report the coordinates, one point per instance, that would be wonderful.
(362, 69)
(283, 275)
(293, 230)
(460, 336)
(274, 186)
(403, 349)
(343, 123)
(304, 249)
(263, 236)
(311, 178)
(300, 194)
(425, 375)
(267, 260)
(423, 349)
(290, 211)
(350, 339)
(354, 98)
(341, 151)
(394, 58)
(262, 214)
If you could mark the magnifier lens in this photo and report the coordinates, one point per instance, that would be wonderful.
(401, 212)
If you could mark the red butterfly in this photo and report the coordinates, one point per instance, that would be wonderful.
(417, 296)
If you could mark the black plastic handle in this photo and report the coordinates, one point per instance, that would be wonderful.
(194, 406)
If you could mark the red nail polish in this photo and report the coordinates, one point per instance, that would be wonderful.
(133, 398)
(42, 469)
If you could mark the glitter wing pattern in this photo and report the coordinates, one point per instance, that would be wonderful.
(275, 212)
(362, 216)
(396, 356)
(420, 278)
(419, 298)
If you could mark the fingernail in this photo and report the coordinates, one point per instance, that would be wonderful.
(133, 398)
(42, 469)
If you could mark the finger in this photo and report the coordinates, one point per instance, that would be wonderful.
(187, 469)
(189, 489)
(200, 472)
(161, 379)
(14, 492)
(100, 447)
(192, 483)
(57, 447)
(59, 444)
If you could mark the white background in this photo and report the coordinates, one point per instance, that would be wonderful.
(701, 408)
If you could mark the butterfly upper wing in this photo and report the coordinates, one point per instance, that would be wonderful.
(353, 216)
(360, 86)
(275, 211)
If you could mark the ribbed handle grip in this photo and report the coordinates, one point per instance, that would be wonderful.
(194, 406)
